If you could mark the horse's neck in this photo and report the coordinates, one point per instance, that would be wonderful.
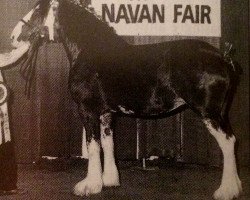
(100, 37)
(88, 32)
(95, 47)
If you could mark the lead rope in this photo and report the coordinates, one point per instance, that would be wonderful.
(28, 67)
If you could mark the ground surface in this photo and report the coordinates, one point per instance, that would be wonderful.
(176, 183)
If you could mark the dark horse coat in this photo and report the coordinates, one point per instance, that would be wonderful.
(109, 76)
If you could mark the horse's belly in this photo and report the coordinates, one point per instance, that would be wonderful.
(142, 101)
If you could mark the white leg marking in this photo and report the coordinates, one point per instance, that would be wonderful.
(110, 173)
(92, 184)
(230, 187)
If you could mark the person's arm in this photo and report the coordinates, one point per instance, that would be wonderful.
(11, 57)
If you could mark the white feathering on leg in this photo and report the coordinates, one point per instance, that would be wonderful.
(92, 184)
(230, 187)
(110, 174)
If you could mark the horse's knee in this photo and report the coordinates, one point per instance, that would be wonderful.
(106, 119)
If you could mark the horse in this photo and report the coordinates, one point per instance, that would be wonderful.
(109, 77)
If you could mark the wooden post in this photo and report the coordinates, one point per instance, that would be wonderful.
(180, 137)
(141, 150)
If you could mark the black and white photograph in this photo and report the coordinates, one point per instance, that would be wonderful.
(124, 100)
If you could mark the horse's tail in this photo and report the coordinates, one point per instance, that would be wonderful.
(234, 67)
(235, 71)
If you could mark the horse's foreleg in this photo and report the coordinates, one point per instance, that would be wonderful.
(110, 173)
(92, 184)
(230, 187)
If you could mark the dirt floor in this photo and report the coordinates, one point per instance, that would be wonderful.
(187, 182)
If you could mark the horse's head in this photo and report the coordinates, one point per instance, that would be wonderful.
(39, 22)
(72, 22)
(43, 21)
(42, 24)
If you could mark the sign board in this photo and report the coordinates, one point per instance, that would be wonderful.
(162, 17)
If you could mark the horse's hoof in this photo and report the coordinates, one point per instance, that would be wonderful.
(111, 179)
(228, 192)
(87, 187)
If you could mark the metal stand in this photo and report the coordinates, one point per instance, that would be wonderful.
(141, 147)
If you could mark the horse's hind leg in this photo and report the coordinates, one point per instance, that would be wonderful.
(110, 174)
(92, 184)
(230, 187)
